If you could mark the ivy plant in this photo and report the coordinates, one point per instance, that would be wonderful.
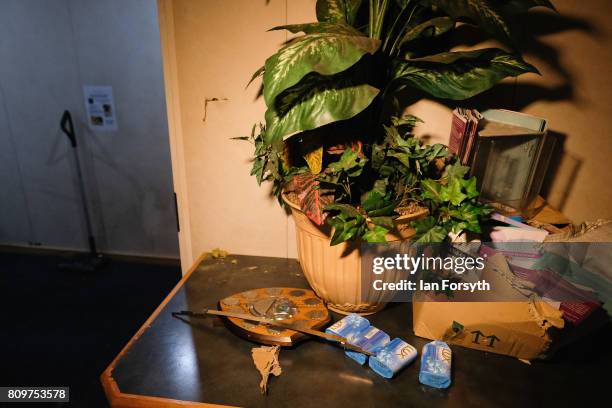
(335, 134)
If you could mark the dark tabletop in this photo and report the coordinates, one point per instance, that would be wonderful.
(201, 362)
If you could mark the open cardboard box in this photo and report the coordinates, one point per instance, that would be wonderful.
(518, 329)
(520, 326)
(527, 328)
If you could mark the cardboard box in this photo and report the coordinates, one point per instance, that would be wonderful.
(520, 327)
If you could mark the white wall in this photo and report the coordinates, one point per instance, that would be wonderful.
(48, 50)
(220, 43)
(14, 221)
(38, 79)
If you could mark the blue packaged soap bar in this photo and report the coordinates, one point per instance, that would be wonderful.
(371, 339)
(436, 365)
(391, 358)
(349, 327)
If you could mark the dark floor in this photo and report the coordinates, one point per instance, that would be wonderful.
(60, 328)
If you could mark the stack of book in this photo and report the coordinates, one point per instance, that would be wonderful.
(463, 132)
(507, 151)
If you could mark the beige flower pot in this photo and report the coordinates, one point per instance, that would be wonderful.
(334, 272)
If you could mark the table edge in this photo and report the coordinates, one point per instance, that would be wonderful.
(118, 399)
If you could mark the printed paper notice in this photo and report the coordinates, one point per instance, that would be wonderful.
(100, 108)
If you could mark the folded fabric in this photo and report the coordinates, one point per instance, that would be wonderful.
(349, 327)
(436, 365)
(391, 358)
(371, 339)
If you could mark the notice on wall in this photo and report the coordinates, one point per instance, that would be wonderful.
(100, 108)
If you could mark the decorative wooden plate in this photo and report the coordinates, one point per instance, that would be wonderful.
(287, 305)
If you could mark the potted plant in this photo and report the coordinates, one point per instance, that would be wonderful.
(337, 147)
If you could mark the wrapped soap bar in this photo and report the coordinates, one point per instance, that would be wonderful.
(391, 358)
(436, 365)
(349, 327)
(371, 339)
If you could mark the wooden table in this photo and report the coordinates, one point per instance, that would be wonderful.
(169, 363)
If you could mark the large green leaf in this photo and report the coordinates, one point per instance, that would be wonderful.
(351, 224)
(376, 234)
(466, 217)
(378, 205)
(479, 54)
(345, 229)
(327, 100)
(470, 187)
(323, 27)
(386, 222)
(434, 235)
(351, 162)
(460, 75)
(346, 209)
(428, 231)
(455, 170)
(373, 200)
(430, 190)
(337, 11)
(423, 225)
(384, 211)
(453, 192)
(484, 13)
(323, 53)
(431, 28)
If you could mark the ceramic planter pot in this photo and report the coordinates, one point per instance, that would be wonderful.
(334, 272)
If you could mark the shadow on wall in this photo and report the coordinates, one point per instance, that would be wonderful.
(562, 172)
(540, 24)
(511, 94)
(564, 167)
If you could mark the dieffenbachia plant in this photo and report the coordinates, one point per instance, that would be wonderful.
(343, 75)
